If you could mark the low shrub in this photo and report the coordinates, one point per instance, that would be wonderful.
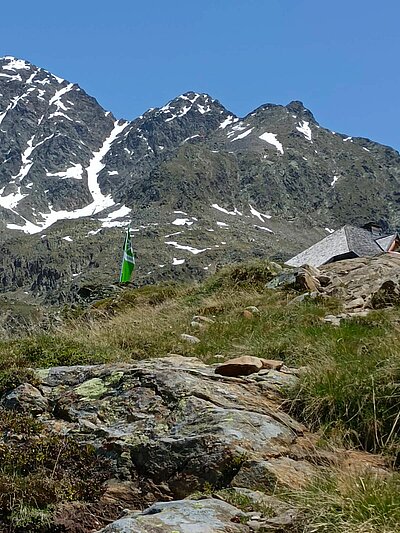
(40, 469)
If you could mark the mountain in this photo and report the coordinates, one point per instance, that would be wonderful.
(200, 185)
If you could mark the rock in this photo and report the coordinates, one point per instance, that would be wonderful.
(305, 281)
(205, 319)
(300, 279)
(357, 302)
(186, 516)
(26, 398)
(286, 279)
(257, 500)
(359, 314)
(248, 314)
(332, 319)
(241, 366)
(197, 325)
(253, 309)
(172, 426)
(123, 493)
(91, 389)
(324, 279)
(272, 364)
(304, 297)
(286, 522)
(277, 380)
(190, 338)
(388, 294)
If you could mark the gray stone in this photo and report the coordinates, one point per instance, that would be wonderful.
(190, 338)
(26, 398)
(186, 516)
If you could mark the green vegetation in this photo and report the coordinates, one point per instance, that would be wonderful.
(349, 503)
(40, 470)
(349, 389)
(351, 386)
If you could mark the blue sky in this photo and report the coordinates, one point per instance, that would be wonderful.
(341, 58)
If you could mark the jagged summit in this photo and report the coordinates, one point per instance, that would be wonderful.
(16, 69)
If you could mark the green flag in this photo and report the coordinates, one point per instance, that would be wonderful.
(128, 259)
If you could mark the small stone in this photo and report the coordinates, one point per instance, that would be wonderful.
(324, 280)
(253, 309)
(190, 338)
(248, 314)
(332, 319)
(272, 364)
(255, 525)
(200, 318)
(357, 302)
(240, 366)
(26, 398)
(197, 325)
(306, 281)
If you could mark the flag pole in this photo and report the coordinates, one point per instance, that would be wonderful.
(128, 259)
(123, 254)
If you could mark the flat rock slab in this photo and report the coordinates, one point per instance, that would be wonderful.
(186, 516)
(240, 366)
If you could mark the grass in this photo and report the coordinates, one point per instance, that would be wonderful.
(349, 503)
(351, 388)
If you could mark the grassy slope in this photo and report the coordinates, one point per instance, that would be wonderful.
(349, 392)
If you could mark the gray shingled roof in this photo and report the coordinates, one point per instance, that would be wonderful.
(346, 240)
(361, 242)
(385, 242)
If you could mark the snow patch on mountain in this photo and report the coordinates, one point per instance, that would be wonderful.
(100, 202)
(264, 228)
(257, 214)
(237, 127)
(223, 210)
(15, 64)
(227, 122)
(271, 138)
(305, 129)
(190, 249)
(74, 172)
(335, 178)
(182, 222)
(242, 135)
(110, 220)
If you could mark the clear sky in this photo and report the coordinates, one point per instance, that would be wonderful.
(340, 57)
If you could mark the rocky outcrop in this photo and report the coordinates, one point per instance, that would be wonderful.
(171, 428)
(362, 284)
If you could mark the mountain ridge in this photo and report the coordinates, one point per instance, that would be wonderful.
(70, 171)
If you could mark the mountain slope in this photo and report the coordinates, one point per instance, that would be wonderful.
(201, 186)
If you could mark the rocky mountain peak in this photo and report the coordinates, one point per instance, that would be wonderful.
(299, 109)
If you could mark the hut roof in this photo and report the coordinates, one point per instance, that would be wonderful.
(348, 240)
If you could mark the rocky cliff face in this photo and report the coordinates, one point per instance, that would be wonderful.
(200, 185)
